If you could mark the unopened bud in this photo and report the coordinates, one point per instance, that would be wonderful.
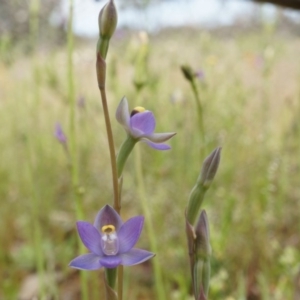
(201, 278)
(208, 172)
(203, 249)
(210, 167)
(107, 20)
(107, 24)
(202, 253)
(201, 294)
(187, 72)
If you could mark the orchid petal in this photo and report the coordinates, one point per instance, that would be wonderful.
(122, 114)
(136, 133)
(143, 121)
(110, 261)
(160, 137)
(135, 256)
(107, 216)
(157, 146)
(90, 237)
(129, 233)
(88, 261)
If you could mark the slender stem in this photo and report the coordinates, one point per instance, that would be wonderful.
(36, 226)
(73, 144)
(111, 273)
(34, 22)
(101, 74)
(111, 150)
(120, 282)
(120, 267)
(160, 290)
(200, 115)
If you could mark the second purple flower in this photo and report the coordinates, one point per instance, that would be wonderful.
(140, 125)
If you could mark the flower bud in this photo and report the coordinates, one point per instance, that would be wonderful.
(201, 294)
(187, 72)
(202, 256)
(107, 24)
(208, 172)
(108, 20)
(201, 278)
(203, 249)
(210, 167)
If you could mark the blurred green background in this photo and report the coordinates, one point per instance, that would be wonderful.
(249, 86)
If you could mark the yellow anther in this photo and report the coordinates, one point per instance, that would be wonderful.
(108, 229)
(139, 109)
(136, 110)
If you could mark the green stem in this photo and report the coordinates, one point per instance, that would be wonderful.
(101, 73)
(73, 145)
(36, 226)
(111, 150)
(120, 282)
(160, 290)
(111, 275)
(200, 116)
(34, 22)
(124, 152)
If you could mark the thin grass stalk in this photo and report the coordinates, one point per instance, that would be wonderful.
(36, 226)
(34, 9)
(159, 285)
(73, 144)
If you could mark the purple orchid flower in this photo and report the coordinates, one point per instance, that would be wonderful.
(140, 125)
(110, 241)
(59, 134)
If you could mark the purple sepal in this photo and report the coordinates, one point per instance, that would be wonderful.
(107, 216)
(129, 233)
(157, 146)
(135, 256)
(90, 237)
(88, 261)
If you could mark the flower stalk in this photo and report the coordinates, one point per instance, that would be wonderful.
(107, 25)
(190, 75)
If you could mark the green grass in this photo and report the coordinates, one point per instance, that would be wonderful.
(250, 109)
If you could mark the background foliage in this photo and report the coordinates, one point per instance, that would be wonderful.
(250, 92)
